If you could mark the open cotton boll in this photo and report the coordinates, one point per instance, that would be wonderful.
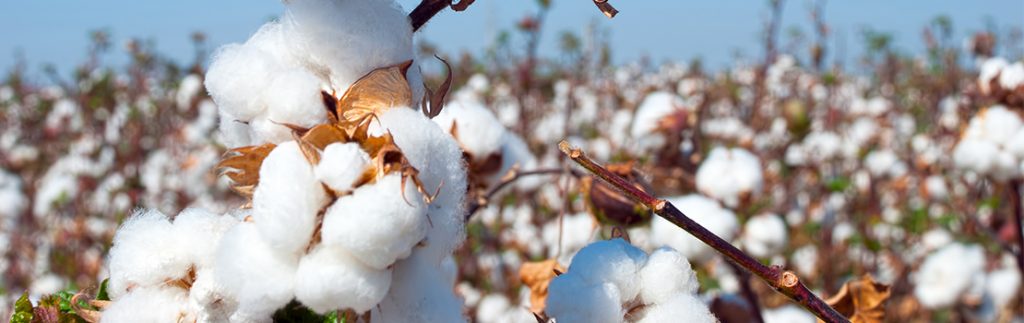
(787, 314)
(378, 223)
(654, 107)
(996, 123)
(1012, 76)
(145, 252)
(975, 155)
(572, 300)
(1004, 283)
(344, 40)
(294, 98)
(238, 77)
(728, 173)
(207, 298)
(148, 304)
(341, 164)
(287, 199)
(476, 128)
(764, 235)
(232, 132)
(421, 291)
(988, 71)
(884, 162)
(441, 169)
(679, 308)
(666, 273)
(259, 277)
(199, 231)
(12, 199)
(706, 212)
(948, 274)
(614, 261)
(329, 278)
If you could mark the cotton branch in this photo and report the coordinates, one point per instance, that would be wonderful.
(606, 8)
(785, 282)
(512, 176)
(428, 8)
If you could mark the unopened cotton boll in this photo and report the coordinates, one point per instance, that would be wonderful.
(679, 308)
(614, 261)
(764, 235)
(341, 164)
(666, 273)
(948, 274)
(259, 277)
(287, 199)
(706, 212)
(148, 304)
(572, 300)
(378, 223)
(145, 252)
(329, 278)
(729, 172)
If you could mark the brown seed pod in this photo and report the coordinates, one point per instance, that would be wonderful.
(609, 206)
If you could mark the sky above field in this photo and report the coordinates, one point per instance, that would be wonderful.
(56, 32)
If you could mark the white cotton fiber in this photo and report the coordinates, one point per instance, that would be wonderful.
(347, 39)
(948, 274)
(238, 77)
(476, 128)
(1012, 76)
(376, 223)
(145, 252)
(654, 107)
(666, 273)
(614, 261)
(259, 277)
(729, 172)
(988, 71)
(764, 235)
(572, 300)
(207, 298)
(704, 211)
(294, 98)
(679, 308)
(420, 292)
(329, 278)
(975, 155)
(788, 314)
(148, 304)
(441, 169)
(199, 232)
(341, 164)
(287, 199)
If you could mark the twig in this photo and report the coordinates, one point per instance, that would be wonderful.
(429, 8)
(606, 8)
(511, 177)
(785, 282)
(1018, 213)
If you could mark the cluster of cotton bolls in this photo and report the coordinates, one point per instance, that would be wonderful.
(993, 144)
(613, 281)
(955, 273)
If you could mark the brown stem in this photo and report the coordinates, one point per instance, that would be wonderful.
(785, 282)
(1018, 213)
(606, 8)
(429, 8)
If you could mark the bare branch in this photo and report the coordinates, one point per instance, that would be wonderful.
(427, 9)
(785, 282)
(512, 176)
(606, 8)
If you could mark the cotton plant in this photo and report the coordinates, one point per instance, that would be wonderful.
(613, 281)
(729, 175)
(354, 198)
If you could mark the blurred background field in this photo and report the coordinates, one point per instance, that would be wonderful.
(854, 113)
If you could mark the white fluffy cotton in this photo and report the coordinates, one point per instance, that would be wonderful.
(329, 278)
(287, 199)
(704, 211)
(728, 173)
(788, 314)
(654, 107)
(948, 274)
(614, 261)
(258, 276)
(990, 145)
(341, 164)
(476, 128)
(666, 273)
(149, 304)
(679, 308)
(764, 235)
(145, 252)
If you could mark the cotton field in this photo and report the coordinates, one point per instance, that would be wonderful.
(331, 168)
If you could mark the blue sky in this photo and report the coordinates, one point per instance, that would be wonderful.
(55, 32)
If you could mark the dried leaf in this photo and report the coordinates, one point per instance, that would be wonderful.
(313, 141)
(437, 98)
(381, 89)
(537, 276)
(863, 300)
(242, 166)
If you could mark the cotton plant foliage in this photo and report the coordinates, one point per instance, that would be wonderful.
(354, 195)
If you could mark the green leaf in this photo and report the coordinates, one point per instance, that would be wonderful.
(101, 295)
(22, 310)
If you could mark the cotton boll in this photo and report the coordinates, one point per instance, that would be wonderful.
(666, 273)
(572, 300)
(476, 128)
(975, 155)
(233, 133)
(439, 160)
(294, 98)
(12, 199)
(764, 235)
(1003, 284)
(345, 40)
(378, 223)
(145, 252)
(148, 304)
(1012, 76)
(654, 107)
(948, 274)
(936, 187)
(259, 277)
(787, 314)
(705, 212)
(199, 231)
(420, 292)
(614, 261)
(238, 77)
(998, 124)
(329, 278)
(988, 72)
(287, 199)
(679, 308)
(207, 298)
(883, 162)
(729, 172)
(341, 164)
